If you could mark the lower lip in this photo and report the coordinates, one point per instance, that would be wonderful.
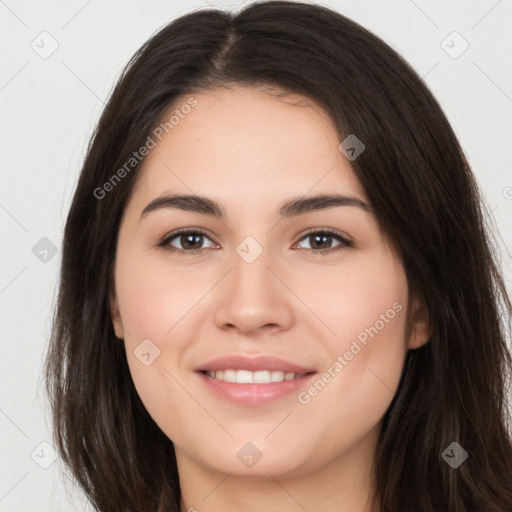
(254, 394)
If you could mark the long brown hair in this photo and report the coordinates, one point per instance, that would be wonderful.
(419, 183)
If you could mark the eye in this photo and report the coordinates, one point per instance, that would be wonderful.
(191, 240)
(188, 240)
(318, 240)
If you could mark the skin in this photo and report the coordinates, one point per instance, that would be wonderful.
(250, 152)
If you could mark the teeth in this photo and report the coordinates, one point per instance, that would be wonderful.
(262, 377)
(248, 377)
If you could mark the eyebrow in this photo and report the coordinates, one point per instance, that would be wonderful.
(291, 208)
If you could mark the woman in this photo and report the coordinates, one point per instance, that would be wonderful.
(277, 290)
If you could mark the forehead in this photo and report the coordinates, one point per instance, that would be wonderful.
(246, 145)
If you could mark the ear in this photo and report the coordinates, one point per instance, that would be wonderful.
(115, 315)
(419, 331)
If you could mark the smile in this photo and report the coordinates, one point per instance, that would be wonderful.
(251, 389)
(249, 377)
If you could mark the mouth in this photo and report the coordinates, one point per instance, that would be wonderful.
(253, 377)
(253, 381)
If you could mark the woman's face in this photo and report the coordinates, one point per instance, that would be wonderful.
(263, 279)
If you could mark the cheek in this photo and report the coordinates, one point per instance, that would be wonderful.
(364, 301)
(366, 356)
(156, 302)
(154, 295)
(365, 310)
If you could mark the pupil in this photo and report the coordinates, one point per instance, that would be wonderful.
(319, 237)
(189, 238)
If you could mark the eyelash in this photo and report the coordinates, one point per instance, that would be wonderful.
(165, 241)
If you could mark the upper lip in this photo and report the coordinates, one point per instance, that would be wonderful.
(239, 362)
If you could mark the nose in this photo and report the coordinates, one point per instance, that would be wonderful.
(253, 297)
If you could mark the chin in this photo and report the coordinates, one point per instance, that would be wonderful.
(258, 460)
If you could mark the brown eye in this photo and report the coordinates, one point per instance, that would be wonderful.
(321, 241)
(185, 240)
(191, 241)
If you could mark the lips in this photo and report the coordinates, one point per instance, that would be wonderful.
(253, 364)
(253, 381)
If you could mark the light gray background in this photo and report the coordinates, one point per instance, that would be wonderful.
(50, 105)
